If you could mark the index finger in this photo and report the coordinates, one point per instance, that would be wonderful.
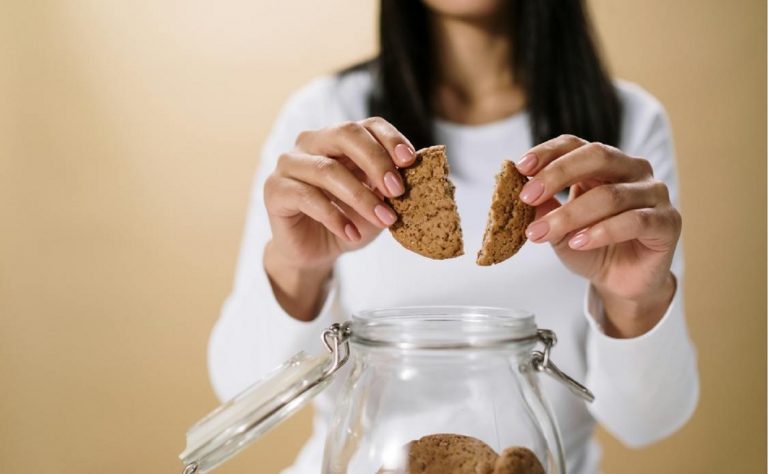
(399, 147)
(588, 163)
(544, 153)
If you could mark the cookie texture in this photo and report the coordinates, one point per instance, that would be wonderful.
(507, 218)
(458, 454)
(428, 221)
(448, 454)
(518, 460)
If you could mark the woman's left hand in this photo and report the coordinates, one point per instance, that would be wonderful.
(618, 227)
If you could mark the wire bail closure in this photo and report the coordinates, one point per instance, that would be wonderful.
(190, 468)
(541, 362)
(336, 340)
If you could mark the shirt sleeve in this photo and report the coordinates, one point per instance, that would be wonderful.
(253, 333)
(646, 387)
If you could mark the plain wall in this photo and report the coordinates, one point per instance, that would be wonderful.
(129, 133)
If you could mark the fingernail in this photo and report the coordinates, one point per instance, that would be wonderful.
(404, 154)
(579, 240)
(527, 163)
(352, 233)
(393, 183)
(385, 214)
(531, 191)
(537, 230)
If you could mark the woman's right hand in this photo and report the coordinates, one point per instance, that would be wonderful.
(325, 197)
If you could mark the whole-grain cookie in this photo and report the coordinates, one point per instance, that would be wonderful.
(507, 218)
(446, 454)
(518, 460)
(428, 221)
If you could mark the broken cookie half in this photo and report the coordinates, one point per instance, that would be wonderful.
(507, 219)
(428, 221)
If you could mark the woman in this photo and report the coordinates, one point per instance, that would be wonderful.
(489, 79)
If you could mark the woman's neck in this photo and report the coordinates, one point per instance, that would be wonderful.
(475, 82)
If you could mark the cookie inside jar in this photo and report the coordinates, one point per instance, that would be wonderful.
(447, 453)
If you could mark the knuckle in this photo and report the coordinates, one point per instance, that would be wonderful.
(569, 139)
(359, 194)
(305, 194)
(378, 161)
(552, 175)
(676, 218)
(644, 166)
(557, 173)
(328, 214)
(375, 120)
(643, 218)
(613, 195)
(562, 219)
(597, 149)
(660, 190)
(269, 188)
(283, 161)
(383, 129)
(604, 232)
(304, 137)
(326, 167)
(349, 127)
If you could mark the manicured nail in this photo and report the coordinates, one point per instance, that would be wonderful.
(537, 230)
(404, 154)
(385, 214)
(527, 163)
(579, 240)
(393, 183)
(531, 191)
(352, 233)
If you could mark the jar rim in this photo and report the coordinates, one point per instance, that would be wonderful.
(443, 327)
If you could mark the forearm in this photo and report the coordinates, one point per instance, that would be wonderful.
(646, 387)
(300, 291)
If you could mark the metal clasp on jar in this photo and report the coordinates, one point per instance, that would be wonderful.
(336, 340)
(541, 362)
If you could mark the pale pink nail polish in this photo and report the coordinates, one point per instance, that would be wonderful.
(579, 240)
(385, 214)
(404, 154)
(531, 191)
(393, 184)
(352, 233)
(537, 230)
(527, 163)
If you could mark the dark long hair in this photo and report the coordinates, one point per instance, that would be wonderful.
(554, 58)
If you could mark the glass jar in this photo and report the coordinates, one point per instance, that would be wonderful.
(426, 373)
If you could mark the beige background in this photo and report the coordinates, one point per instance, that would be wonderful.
(129, 132)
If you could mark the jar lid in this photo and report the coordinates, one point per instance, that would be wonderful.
(230, 428)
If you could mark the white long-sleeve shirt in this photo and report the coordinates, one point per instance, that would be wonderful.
(645, 387)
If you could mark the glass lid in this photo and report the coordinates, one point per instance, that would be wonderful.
(228, 429)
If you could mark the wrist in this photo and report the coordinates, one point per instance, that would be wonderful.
(632, 317)
(277, 259)
(299, 289)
